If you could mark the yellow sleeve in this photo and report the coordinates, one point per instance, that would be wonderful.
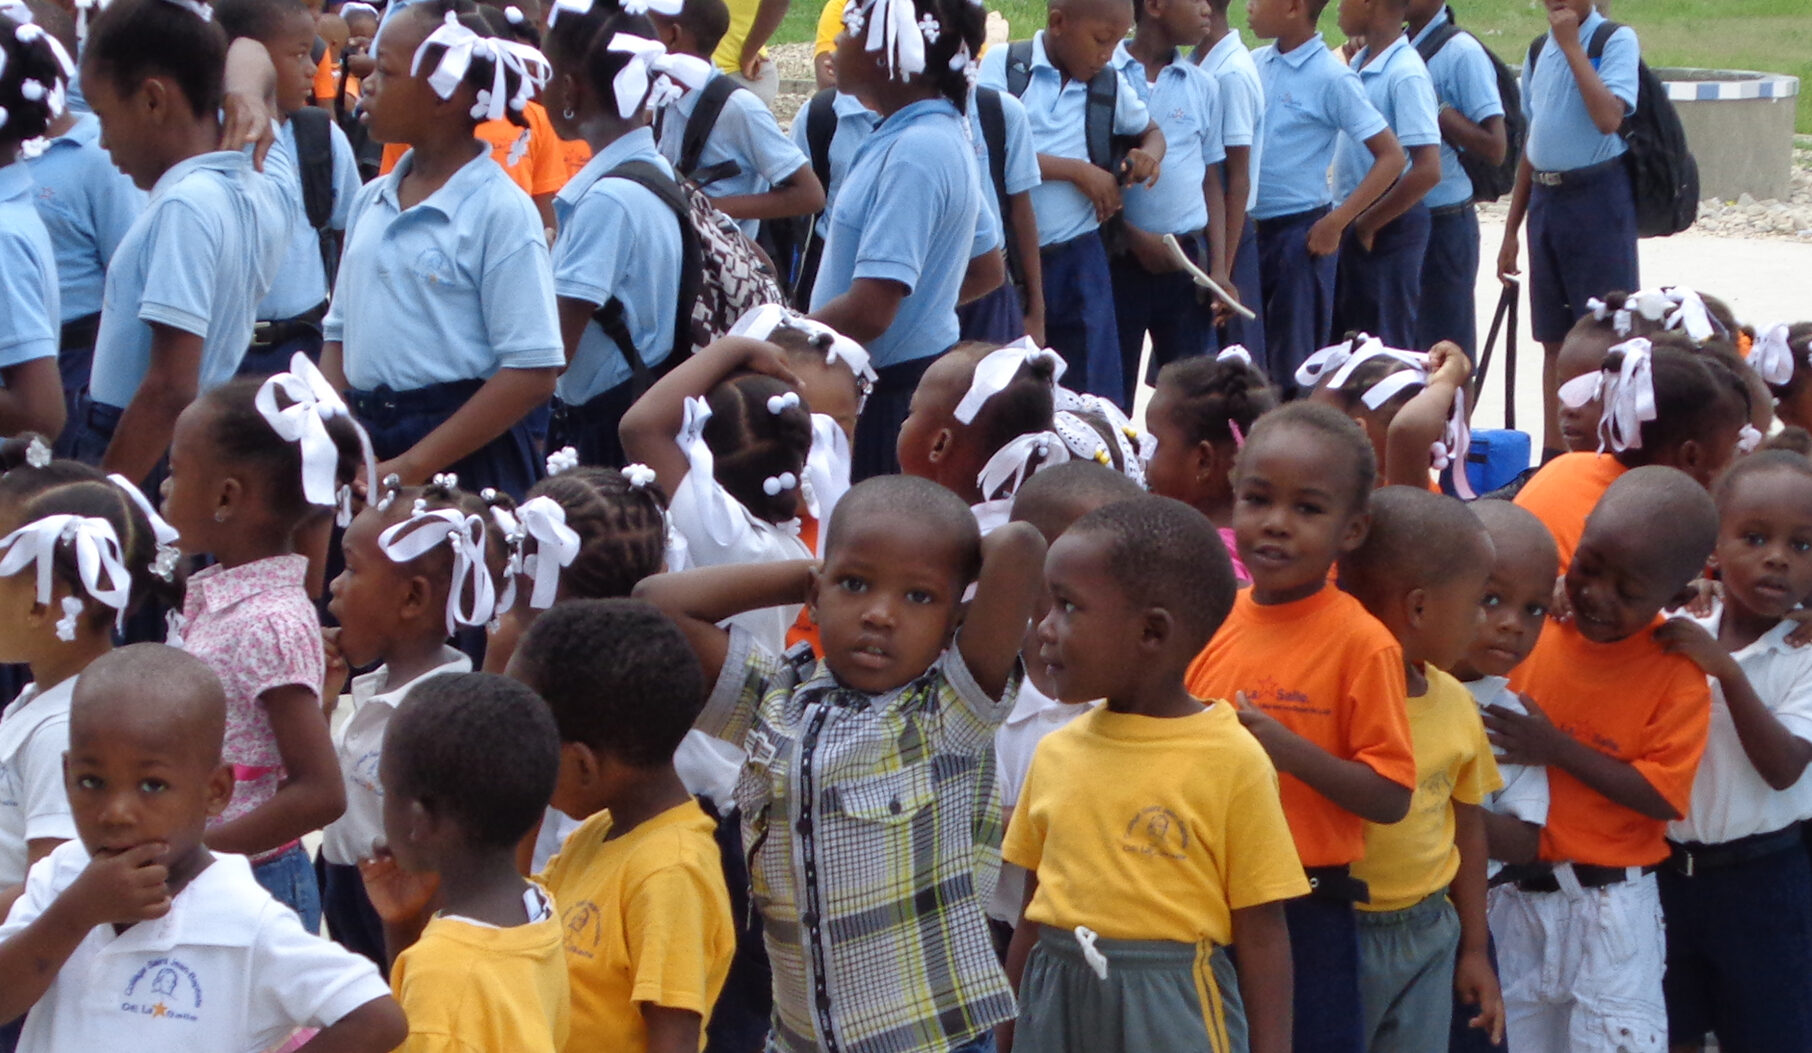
(830, 24)
(1262, 864)
(1024, 844)
(1478, 776)
(680, 937)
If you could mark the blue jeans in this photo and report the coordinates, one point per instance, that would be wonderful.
(291, 879)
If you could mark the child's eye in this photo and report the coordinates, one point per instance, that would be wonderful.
(88, 782)
(1308, 509)
(1491, 601)
(920, 597)
(1066, 606)
(1537, 610)
(152, 786)
(1802, 545)
(1752, 538)
(850, 583)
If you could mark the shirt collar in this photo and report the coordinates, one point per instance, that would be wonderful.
(1040, 59)
(849, 106)
(229, 161)
(1123, 57)
(217, 587)
(1299, 56)
(375, 686)
(635, 144)
(212, 910)
(1441, 18)
(15, 183)
(85, 131)
(1031, 703)
(453, 191)
(1384, 59)
(1222, 50)
(1774, 641)
(910, 114)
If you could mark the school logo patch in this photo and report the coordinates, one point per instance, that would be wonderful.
(365, 773)
(584, 927)
(164, 989)
(435, 267)
(1156, 831)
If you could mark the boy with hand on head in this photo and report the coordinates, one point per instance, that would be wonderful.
(1222, 55)
(1423, 935)
(1310, 99)
(1320, 683)
(1121, 916)
(867, 803)
(134, 935)
(1620, 725)
(1077, 195)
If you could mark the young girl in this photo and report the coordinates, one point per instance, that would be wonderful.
(1197, 420)
(442, 326)
(247, 464)
(1408, 403)
(1782, 355)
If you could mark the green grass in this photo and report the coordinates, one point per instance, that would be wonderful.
(1770, 35)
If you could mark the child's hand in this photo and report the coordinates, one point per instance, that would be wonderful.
(1703, 596)
(1365, 235)
(1324, 236)
(337, 671)
(1508, 267)
(1448, 364)
(1802, 635)
(1141, 167)
(1560, 607)
(1683, 636)
(1102, 189)
(1474, 983)
(121, 888)
(397, 895)
(1217, 307)
(1263, 726)
(246, 121)
(1523, 738)
(1563, 23)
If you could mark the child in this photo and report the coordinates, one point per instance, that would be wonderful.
(1406, 402)
(442, 329)
(184, 283)
(1320, 683)
(866, 799)
(1422, 937)
(1310, 99)
(1223, 56)
(1572, 185)
(469, 762)
(1205, 862)
(1739, 919)
(649, 933)
(1150, 293)
(1791, 350)
(1620, 725)
(1076, 196)
(1378, 284)
(1197, 421)
(192, 954)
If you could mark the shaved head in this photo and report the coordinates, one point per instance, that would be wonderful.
(1418, 540)
(155, 693)
(1520, 539)
(1063, 493)
(1659, 518)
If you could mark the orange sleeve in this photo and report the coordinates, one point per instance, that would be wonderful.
(1675, 735)
(324, 78)
(1377, 733)
(393, 152)
(546, 160)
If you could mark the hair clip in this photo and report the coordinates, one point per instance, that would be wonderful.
(419, 507)
(1770, 354)
(1748, 438)
(1239, 437)
(66, 625)
(312, 403)
(778, 404)
(513, 15)
(446, 480)
(894, 30)
(562, 460)
(163, 564)
(37, 453)
(100, 562)
(998, 368)
(460, 46)
(775, 485)
(488, 495)
(930, 28)
(639, 476)
(424, 531)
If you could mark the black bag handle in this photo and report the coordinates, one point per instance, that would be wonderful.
(1507, 310)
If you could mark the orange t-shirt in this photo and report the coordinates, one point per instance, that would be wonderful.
(542, 170)
(803, 626)
(1331, 673)
(1632, 701)
(327, 83)
(1564, 493)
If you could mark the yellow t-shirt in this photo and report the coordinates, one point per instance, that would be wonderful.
(728, 56)
(647, 920)
(1148, 828)
(470, 988)
(1411, 860)
(830, 24)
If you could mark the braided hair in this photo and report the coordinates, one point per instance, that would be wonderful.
(32, 83)
(622, 529)
(1213, 397)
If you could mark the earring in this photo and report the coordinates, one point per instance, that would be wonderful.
(220, 515)
(568, 113)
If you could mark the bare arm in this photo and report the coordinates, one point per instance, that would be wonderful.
(1507, 266)
(1031, 264)
(1530, 738)
(1239, 190)
(984, 275)
(1486, 140)
(1266, 982)
(1216, 200)
(1474, 981)
(650, 429)
(1423, 174)
(506, 398)
(377, 1026)
(1387, 165)
(1006, 592)
(671, 1030)
(32, 398)
(1605, 109)
(333, 364)
(312, 793)
(1351, 784)
(575, 315)
(144, 430)
(768, 16)
(697, 600)
(865, 310)
(1423, 420)
(1778, 755)
(799, 194)
(1511, 840)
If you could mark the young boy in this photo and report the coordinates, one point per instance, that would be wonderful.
(1378, 282)
(469, 763)
(1076, 196)
(640, 883)
(867, 801)
(1320, 683)
(1310, 98)
(1620, 725)
(1151, 295)
(747, 165)
(135, 935)
(1572, 185)
(1223, 56)
(1163, 869)
(1423, 936)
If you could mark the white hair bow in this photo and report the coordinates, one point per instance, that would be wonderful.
(1772, 355)
(543, 519)
(827, 468)
(894, 30)
(464, 534)
(1235, 353)
(675, 76)
(1689, 313)
(1628, 395)
(1018, 460)
(718, 517)
(994, 372)
(461, 47)
(1086, 442)
(356, 7)
(100, 562)
(759, 323)
(1338, 362)
(670, 8)
(632, 82)
(163, 564)
(1455, 443)
(314, 402)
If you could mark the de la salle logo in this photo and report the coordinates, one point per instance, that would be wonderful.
(164, 989)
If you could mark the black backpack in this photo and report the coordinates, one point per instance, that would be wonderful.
(1105, 149)
(1664, 176)
(314, 160)
(1489, 181)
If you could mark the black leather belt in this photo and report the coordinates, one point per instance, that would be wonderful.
(1540, 877)
(1690, 858)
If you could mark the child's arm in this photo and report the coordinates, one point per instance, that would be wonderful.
(1423, 419)
(1605, 108)
(1215, 197)
(865, 311)
(1006, 592)
(1145, 161)
(1266, 983)
(148, 422)
(378, 1026)
(1511, 840)
(697, 600)
(1024, 232)
(1351, 784)
(799, 194)
(1387, 165)
(1486, 140)
(671, 1030)
(1508, 268)
(650, 429)
(1098, 184)
(312, 793)
(1531, 738)
(984, 274)
(1778, 755)
(1474, 981)
(1239, 191)
(1019, 949)
(32, 397)
(1423, 174)
(510, 395)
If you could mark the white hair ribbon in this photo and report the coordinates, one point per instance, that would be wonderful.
(422, 532)
(163, 564)
(543, 519)
(1018, 460)
(1690, 314)
(1085, 441)
(1628, 394)
(1344, 359)
(1454, 445)
(827, 468)
(355, 7)
(893, 30)
(1330, 359)
(1748, 438)
(461, 46)
(313, 402)
(1772, 354)
(717, 516)
(1235, 353)
(632, 82)
(995, 371)
(676, 76)
(100, 562)
(759, 323)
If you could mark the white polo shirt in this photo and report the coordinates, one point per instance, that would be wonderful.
(34, 735)
(357, 744)
(1729, 797)
(1525, 792)
(229, 969)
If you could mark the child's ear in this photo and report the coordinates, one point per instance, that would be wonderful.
(1206, 461)
(155, 97)
(231, 493)
(941, 445)
(220, 789)
(1415, 607)
(418, 596)
(1354, 534)
(1156, 627)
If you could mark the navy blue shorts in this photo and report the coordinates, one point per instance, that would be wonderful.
(1450, 274)
(1079, 319)
(1247, 332)
(997, 318)
(1168, 306)
(352, 921)
(1299, 294)
(1582, 243)
(1379, 291)
(397, 420)
(591, 428)
(1324, 957)
(878, 429)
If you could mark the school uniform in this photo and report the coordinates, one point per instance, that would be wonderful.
(30, 302)
(618, 241)
(854, 124)
(999, 317)
(1186, 104)
(34, 805)
(1242, 124)
(1079, 316)
(909, 211)
(1379, 290)
(433, 300)
(745, 134)
(1310, 98)
(1582, 213)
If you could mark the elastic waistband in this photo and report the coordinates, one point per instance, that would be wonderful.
(383, 403)
(1064, 246)
(1424, 910)
(1308, 216)
(1121, 954)
(78, 333)
(1577, 176)
(1445, 211)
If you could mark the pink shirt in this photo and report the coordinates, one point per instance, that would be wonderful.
(1239, 569)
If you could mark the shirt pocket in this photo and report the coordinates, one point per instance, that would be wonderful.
(892, 799)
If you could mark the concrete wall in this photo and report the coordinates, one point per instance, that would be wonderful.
(1743, 140)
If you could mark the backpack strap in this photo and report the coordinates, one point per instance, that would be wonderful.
(710, 106)
(820, 129)
(1098, 117)
(993, 121)
(1535, 47)
(1432, 44)
(1600, 37)
(609, 316)
(314, 161)
(1019, 67)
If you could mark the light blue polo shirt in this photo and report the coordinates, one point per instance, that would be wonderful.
(87, 205)
(1056, 108)
(30, 311)
(1465, 79)
(454, 288)
(854, 124)
(617, 239)
(301, 282)
(908, 212)
(1398, 85)
(747, 133)
(1186, 104)
(1310, 98)
(1242, 102)
(1021, 173)
(1562, 136)
(198, 259)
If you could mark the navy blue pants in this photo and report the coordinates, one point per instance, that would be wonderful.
(997, 318)
(1079, 315)
(397, 420)
(75, 362)
(1324, 957)
(591, 428)
(1168, 306)
(1299, 296)
(1450, 274)
(351, 919)
(878, 429)
(262, 360)
(1247, 332)
(1739, 953)
(1582, 243)
(1378, 292)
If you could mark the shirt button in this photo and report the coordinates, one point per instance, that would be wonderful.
(804, 827)
(809, 919)
(823, 1000)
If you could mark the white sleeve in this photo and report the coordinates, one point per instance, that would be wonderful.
(46, 879)
(302, 980)
(1525, 793)
(41, 773)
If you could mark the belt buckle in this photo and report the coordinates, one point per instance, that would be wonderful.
(1550, 179)
(1689, 862)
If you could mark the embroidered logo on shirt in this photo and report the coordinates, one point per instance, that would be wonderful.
(1156, 831)
(583, 928)
(364, 774)
(164, 989)
(1178, 114)
(435, 267)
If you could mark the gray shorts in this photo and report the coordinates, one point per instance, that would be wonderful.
(1157, 995)
(1406, 975)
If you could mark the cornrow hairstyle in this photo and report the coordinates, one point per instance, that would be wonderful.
(497, 16)
(584, 40)
(31, 80)
(100, 499)
(480, 73)
(243, 438)
(622, 529)
(1694, 394)
(1332, 428)
(20, 480)
(750, 443)
(133, 40)
(1214, 397)
(259, 20)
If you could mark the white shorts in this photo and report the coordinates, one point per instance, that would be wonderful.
(1581, 968)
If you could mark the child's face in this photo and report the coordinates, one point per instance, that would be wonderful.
(361, 26)
(1270, 19)
(1176, 467)
(1354, 16)
(1081, 45)
(1293, 512)
(1582, 8)
(192, 491)
(886, 602)
(131, 123)
(1087, 641)
(369, 596)
(1613, 595)
(1765, 542)
(291, 50)
(396, 105)
(1515, 607)
(1453, 613)
(858, 71)
(1183, 20)
(1581, 353)
(829, 388)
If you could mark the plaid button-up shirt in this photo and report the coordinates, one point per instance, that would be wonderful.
(872, 828)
